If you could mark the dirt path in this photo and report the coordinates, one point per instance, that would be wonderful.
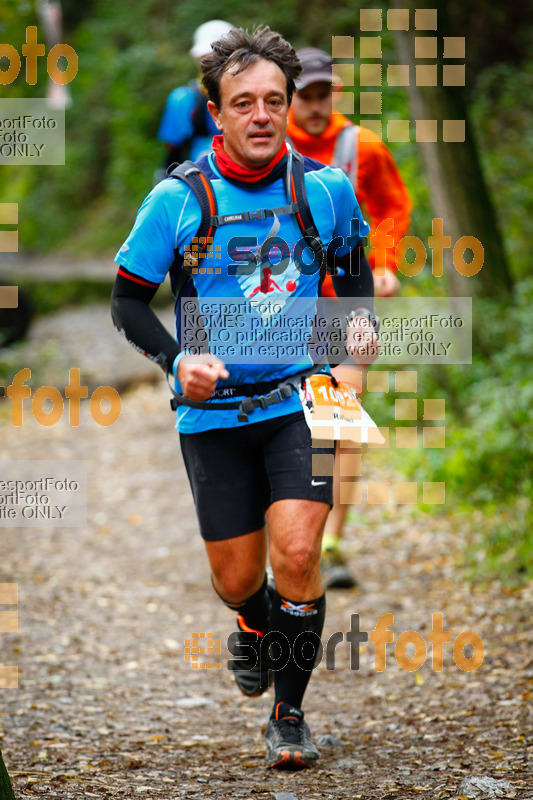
(108, 707)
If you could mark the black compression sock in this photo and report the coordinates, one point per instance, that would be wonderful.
(291, 621)
(255, 610)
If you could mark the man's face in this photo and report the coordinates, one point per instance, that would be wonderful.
(311, 107)
(253, 113)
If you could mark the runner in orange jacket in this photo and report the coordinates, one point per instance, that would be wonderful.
(332, 139)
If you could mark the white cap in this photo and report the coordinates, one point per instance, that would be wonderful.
(207, 33)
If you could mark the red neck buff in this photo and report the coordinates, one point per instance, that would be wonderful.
(230, 169)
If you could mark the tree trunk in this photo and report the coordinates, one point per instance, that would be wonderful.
(6, 790)
(457, 186)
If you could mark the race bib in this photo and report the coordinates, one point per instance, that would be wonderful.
(333, 412)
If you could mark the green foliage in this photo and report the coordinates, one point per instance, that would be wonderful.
(6, 789)
(124, 76)
(488, 459)
(501, 113)
(45, 297)
(502, 544)
(495, 398)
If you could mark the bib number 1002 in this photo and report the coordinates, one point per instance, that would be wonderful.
(330, 394)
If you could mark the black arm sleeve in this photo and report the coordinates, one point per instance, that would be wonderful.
(133, 317)
(356, 287)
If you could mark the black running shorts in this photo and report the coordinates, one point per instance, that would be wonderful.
(236, 473)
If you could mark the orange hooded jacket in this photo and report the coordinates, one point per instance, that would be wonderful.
(380, 189)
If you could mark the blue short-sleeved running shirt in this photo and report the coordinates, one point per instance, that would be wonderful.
(176, 126)
(271, 301)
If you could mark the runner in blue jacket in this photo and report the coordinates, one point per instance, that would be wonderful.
(186, 126)
(250, 308)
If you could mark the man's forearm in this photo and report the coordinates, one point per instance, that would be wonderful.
(133, 317)
(350, 286)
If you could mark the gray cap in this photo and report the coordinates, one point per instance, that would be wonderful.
(316, 66)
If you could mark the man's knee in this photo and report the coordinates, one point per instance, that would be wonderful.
(238, 565)
(297, 558)
(234, 587)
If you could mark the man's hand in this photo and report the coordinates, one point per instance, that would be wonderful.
(362, 341)
(351, 374)
(198, 375)
(386, 285)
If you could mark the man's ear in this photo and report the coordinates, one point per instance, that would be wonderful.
(215, 113)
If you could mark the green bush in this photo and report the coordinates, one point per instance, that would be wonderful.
(501, 114)
(487, 463)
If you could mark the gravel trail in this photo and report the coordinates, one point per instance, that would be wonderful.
(107, 705)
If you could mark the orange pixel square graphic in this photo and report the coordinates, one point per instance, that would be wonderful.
(405, 409)
(342, 46)
(377, 381)
(9, 297)
(434, 409)
(426, 19)
(9, 624)
(202, 644)
(9, 593)
(370, 47)
(427, 47)
(454, 46)
(354, 491)
(406, 438)
(434, 437)
(370, 19)
(370, 102)
(398, 19)
(9, 677)
(9, 620)
(406, 381)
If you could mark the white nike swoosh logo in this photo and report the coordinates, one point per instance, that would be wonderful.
(318, 483)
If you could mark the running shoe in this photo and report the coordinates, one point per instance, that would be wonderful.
(251, 670)
(288, 740)
(335, 572)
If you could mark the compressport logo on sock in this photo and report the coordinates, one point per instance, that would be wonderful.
(298, 609)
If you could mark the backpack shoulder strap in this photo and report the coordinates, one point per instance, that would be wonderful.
(345, 155)
(198, 182)
(199, 118)
(304, 216)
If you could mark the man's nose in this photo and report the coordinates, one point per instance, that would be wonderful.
(260, 113)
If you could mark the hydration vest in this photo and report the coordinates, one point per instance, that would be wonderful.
(200, 184)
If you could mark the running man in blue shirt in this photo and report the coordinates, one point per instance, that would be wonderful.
(246, 471)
